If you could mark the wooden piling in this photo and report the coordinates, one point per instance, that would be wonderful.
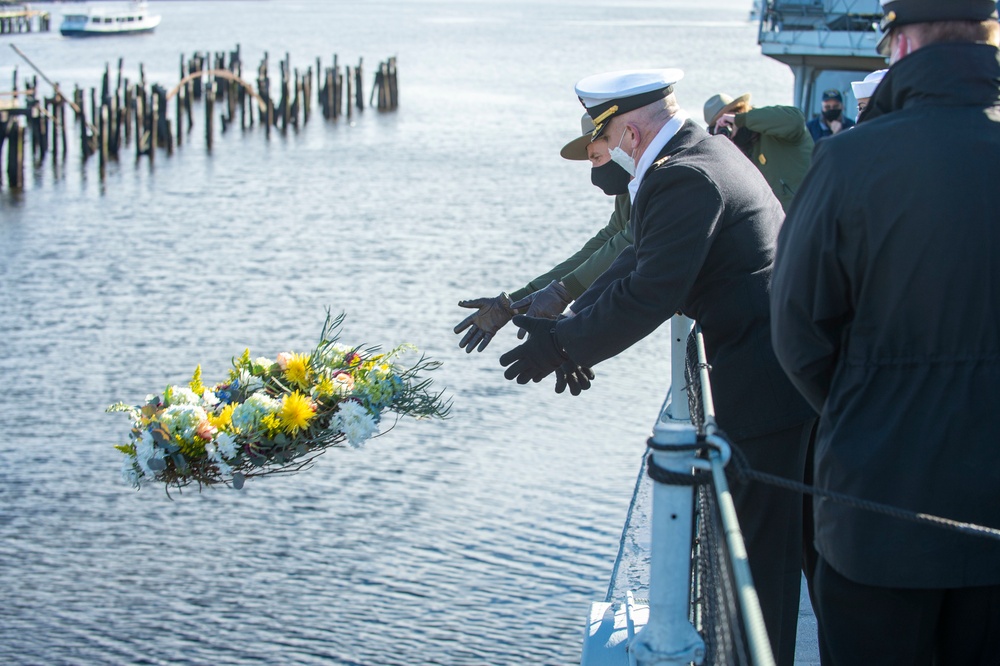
(139, 117)
(347, 95)
(77, 102)
(306, 95)
(33, 127)
(393, 86)
(285, 104)
(338, 89)
(296, 84)
(209, 114)
(360, 98)
(181, 95)
(105, 130)
(62, 125)
(154, 119)
(15, 154)
(4, 123)
(129, 111)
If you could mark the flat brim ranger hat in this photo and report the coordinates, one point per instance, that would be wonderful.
(577, 148)
(614, 93)
(904, 12)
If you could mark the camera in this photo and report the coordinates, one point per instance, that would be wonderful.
(725, 130)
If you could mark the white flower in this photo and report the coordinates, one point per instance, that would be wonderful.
(263, 361)
(145, 450)
(226, 444)
(249, 383)
(129, 473)
(355, 422)
(183, 420)
(182, 395)
(248, 415)
(209, 398)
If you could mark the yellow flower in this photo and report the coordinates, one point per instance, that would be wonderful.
(325, 388)
(223, 419)
(296, 412)
(195, 383)
(297, 370)
(271, 423)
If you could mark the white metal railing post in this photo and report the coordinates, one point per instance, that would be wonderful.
(669, 637)
(680, 327)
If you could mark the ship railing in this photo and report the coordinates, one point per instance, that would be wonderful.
(702, 607)
(834, 24)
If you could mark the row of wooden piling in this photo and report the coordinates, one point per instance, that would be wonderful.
(18, 21)
(127, 112)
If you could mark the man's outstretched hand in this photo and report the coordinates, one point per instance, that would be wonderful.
(547, 303)
(490, 316)
(539, 356)
(575, 377)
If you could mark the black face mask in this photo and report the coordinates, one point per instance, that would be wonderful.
(832, 114)
(611, 178)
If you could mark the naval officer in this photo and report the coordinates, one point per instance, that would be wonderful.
(886, 310)
(704, 224)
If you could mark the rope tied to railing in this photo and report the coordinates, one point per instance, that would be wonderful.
(740, 470)
(671, 477)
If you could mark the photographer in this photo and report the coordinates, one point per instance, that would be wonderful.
(774, 138)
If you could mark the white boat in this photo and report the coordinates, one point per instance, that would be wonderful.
(134, 19)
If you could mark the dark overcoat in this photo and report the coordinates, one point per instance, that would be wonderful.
(886, 314)
(704, 224)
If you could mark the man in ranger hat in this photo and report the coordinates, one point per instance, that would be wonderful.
(774, 138)
(704, 223)
(885, 310)
(549, 294)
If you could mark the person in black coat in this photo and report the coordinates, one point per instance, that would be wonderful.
(886, 316)
(704, 225)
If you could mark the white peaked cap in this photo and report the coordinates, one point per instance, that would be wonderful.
(599, 88)
(614, 93)
(864, 89)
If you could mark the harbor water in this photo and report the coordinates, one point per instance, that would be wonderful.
(481, 539)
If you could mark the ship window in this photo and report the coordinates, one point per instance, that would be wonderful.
(95, 20)
(131, 18)
(107, 20)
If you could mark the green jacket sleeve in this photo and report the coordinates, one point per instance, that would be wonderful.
(783, 122)
(616, 224)
(584, 275)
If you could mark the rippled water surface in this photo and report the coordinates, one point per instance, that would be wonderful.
(478, 540)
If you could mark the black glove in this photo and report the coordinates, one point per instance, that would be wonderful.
(574, 376)
(547, 303)
(492, 314)
(539, 356)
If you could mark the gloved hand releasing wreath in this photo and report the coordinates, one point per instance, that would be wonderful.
(541, 355)
(491, 315)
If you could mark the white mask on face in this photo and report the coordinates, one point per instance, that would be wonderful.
(621, 158)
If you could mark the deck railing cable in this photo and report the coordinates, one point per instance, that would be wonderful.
(697, 366)
(723, 610)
